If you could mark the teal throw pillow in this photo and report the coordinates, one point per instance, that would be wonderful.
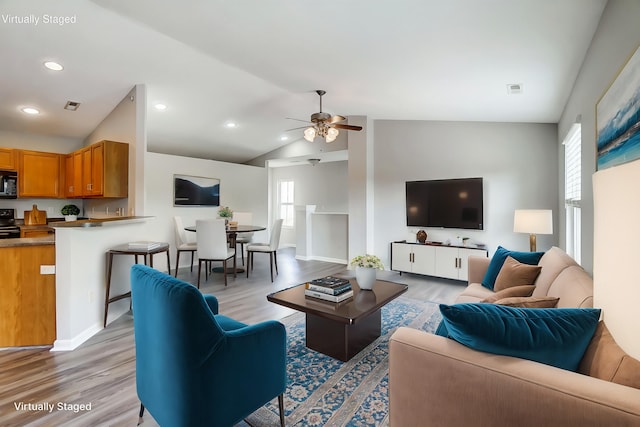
(553, 336)
(442, 330)
(531, 258)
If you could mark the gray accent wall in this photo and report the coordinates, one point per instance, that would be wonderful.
(518, 161)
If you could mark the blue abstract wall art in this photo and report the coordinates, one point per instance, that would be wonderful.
(618, 118)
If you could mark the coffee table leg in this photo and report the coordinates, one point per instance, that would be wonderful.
(339, 340)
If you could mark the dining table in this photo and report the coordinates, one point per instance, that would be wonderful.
(232, 234)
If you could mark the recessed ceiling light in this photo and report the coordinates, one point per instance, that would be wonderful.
(160, 107)
(284, 138)
(231, 125)
(30, 110)
(53, 66)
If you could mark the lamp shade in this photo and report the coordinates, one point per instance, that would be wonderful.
(310, 134)
(533, 221)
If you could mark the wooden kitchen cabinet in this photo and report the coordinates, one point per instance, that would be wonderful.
(27, 296)
(8, 159)
(73, 175)
(40, 174)
(105, 169)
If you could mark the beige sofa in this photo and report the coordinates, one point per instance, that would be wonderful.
(435, 381)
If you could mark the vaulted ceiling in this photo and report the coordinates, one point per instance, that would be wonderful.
(255, 63)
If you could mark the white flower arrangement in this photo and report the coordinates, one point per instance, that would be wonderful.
(369, 261)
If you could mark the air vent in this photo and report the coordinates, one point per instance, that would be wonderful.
(71, 105)
(514, 88)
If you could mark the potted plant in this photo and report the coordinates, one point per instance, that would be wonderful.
(226, 213)
(366, 266)
(70, 212)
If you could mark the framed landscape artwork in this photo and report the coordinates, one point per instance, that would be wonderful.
(618, 118)
(195, 191)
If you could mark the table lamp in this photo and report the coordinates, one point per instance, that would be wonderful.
(533, 221)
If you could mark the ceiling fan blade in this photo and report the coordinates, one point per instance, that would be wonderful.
(336, 119)
(291, 118)
(347, 127)
(301, 127)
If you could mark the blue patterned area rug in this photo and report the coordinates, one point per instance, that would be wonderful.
(322, 391)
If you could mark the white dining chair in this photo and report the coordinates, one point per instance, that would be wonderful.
(243, 218)
(211, 237)
(183, 243)
(270, 248)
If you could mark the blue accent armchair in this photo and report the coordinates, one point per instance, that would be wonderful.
(195, 367)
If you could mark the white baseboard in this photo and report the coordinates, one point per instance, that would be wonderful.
(303, 258)
(75, 342)
(326, 259)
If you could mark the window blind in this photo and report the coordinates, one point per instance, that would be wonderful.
(573, 166)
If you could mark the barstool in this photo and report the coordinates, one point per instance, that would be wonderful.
(127, 249)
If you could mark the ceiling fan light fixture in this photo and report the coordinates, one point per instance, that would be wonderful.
(310, 134)
(332, 134)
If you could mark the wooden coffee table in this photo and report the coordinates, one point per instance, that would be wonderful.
(341, 330)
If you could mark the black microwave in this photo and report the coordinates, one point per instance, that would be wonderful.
(8, 185)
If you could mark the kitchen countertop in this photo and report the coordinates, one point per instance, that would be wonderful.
(99, 222)
(28, 241)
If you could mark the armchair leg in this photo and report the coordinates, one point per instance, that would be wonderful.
(141, 414)
(281, 408)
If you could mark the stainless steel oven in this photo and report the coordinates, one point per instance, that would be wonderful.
(8, 227)
(8, 185)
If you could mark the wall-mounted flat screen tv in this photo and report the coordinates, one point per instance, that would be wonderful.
(195, 191)
(448, 203)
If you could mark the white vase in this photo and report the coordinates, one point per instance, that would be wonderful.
(366, 277)
(71, 217)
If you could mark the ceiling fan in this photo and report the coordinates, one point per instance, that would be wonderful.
(324, 124)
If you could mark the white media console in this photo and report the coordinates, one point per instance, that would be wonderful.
(433, 259)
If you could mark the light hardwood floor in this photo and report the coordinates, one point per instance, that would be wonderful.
(101, 372)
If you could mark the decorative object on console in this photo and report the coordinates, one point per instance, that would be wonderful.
(617, 117)
(421, 235)
(366, 266)
(70, 212)
(533, 221)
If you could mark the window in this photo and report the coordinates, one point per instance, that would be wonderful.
(573, 189)
(287, 211)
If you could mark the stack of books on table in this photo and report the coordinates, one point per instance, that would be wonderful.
(144, 245)
(329, 288)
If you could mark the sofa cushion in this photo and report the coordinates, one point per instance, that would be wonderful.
(514, 273)
(529, 302)
(475, 292)
(498, 259)
(573, 286)
(514, 291)
(552, 262)
(554, 336)
(605, 359)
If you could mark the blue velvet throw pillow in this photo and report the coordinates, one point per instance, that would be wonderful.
(553, 336)
(531, 258)
(442, 330)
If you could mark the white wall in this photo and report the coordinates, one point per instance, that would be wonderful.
(243, 188)
(323, 185)
(122, 125)
(518, 162)
(617, 37)
(610, 229)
